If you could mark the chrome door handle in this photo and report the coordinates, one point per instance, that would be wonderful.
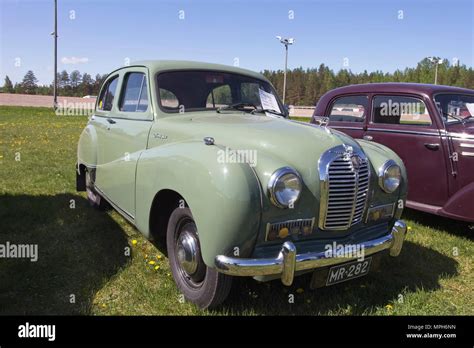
(432, 146)
(368, 137)
(111, 121)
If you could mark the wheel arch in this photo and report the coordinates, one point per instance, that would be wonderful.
(224, 198)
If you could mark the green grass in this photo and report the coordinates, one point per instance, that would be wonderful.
(81, 250)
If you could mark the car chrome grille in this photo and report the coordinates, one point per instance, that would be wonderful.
(344, 189)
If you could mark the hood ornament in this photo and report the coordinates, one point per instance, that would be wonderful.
(321, 121)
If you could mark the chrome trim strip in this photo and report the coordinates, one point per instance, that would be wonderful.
(467, 154)
(346, 127)
(287, 262)
(459, 135)
(436, 133)
(466, 145)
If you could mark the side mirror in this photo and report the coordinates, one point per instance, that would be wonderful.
(286, 110)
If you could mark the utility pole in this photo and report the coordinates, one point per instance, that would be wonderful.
(436, 62)
(55, 34)
(286, 43)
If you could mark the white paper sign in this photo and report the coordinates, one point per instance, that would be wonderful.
(470, 107)
(268, 101)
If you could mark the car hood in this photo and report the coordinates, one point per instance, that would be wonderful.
(274, 139)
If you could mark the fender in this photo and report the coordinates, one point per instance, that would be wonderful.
(224, 198)
(378, 154)
(460, 205)
(87, 148)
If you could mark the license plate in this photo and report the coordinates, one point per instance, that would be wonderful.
(347, 271)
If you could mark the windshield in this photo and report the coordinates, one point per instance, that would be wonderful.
(455, 107)
(213, 90)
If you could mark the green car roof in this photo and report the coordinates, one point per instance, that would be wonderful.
(156, 66)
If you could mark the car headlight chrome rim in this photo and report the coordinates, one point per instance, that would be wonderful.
(390, 176)
(285, 187)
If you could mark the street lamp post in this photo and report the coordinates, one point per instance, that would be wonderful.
(55, 34)
(436, 62)
(286, 43)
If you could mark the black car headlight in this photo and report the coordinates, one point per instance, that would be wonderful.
(284, 187)
(390, 176)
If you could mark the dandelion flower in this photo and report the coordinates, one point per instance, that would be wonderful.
(151, 262)
(134, 242)
(157, 268)
(389, 307)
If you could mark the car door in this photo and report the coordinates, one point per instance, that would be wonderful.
(123, 137)
(405, 124)
(348, 114)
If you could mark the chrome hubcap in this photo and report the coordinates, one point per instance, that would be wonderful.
(187, 252)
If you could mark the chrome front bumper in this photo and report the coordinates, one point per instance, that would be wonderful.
(288, 261)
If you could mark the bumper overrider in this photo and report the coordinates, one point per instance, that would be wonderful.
(288, 261)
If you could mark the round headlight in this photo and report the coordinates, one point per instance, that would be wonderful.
(390, 176)
(284, 187)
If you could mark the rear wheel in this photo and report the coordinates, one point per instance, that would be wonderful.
(198, 283)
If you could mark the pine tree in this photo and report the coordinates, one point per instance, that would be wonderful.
(29, 83)
(8, 86)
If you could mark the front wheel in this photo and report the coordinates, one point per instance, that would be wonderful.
(198, 283)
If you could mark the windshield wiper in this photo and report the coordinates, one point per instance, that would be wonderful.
(236, 106)
(454, 116)
(271, 111)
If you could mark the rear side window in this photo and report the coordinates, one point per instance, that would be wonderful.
(401, 110)
(349, 109)
(135, 93)
(107, 96)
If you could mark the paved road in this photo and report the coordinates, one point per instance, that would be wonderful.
(43, 100)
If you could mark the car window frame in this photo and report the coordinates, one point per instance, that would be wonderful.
(103, 89)
(347, 124)
(440, 116)
(133, 115)
(426, 102)
(167, 113)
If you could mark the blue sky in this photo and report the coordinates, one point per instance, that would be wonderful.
(104, 33)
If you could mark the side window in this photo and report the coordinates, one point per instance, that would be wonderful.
(219, 96)
(134, 93)
(400, 110)
(107, 95)
(349, 109)
(168, 99)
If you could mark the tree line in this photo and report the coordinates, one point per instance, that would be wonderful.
(74, 84)
(304, 86)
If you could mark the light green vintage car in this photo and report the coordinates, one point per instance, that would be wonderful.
(204, 157)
